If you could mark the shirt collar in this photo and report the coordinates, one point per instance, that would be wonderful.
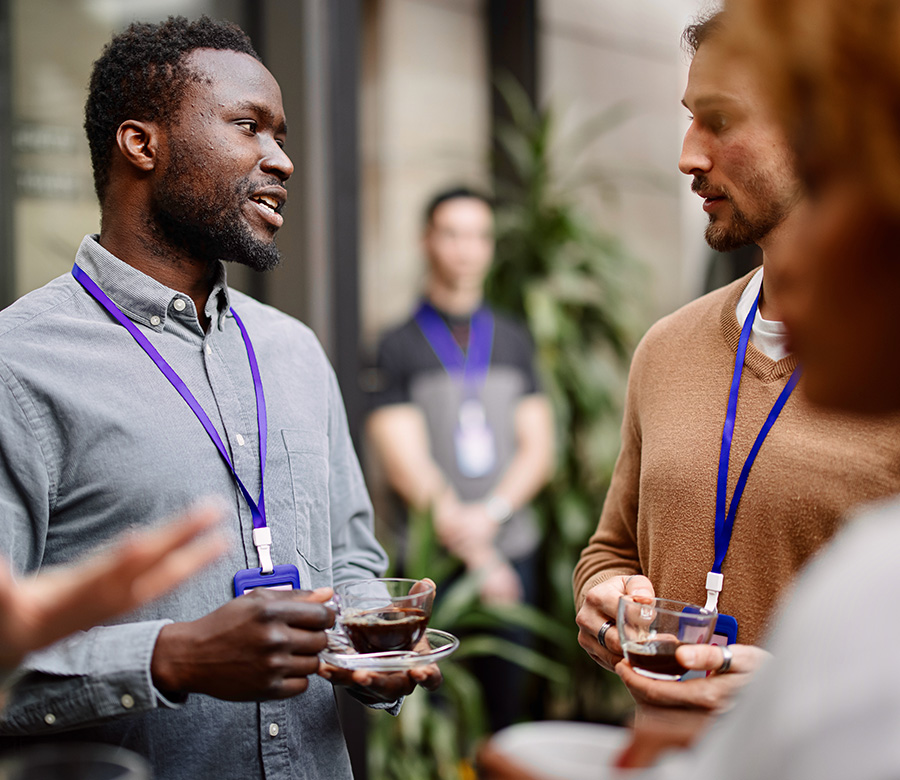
(143, 299)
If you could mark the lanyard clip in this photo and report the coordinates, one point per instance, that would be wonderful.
(262, 538)
(714, 582)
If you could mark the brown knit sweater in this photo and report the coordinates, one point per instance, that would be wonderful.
(659, 513)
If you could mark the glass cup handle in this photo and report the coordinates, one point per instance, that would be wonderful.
(337, 631)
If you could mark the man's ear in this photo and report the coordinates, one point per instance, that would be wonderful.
(138, 142)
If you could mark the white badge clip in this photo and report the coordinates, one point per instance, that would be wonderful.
(713, 589)
(262, 539)
(475, 450)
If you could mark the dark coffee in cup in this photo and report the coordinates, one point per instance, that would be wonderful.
(656, 656)
(391, 628)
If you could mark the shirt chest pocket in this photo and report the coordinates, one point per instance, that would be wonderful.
(307, 453)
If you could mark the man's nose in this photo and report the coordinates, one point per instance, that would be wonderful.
(277, 161)
(694, 157)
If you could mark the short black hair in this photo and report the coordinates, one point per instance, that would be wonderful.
(695, 34)
(453, 194)
(141, 75)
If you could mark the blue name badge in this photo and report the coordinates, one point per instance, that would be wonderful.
(283, 577)
(726, 631)
(725, 634)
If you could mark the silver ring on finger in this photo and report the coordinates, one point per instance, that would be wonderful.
(727, 656)
(601, 634)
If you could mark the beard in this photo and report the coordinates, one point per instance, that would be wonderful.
(743, 229)
(210, 226)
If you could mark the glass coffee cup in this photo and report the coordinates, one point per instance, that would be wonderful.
(652, 629)
(382, 615)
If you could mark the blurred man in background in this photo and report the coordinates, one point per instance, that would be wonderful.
(459, 422)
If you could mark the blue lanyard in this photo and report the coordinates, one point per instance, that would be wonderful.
(257, 508)
(473, 365)
(725, 522)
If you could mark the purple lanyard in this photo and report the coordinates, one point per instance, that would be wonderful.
(472, 365)
(725, 522)
(257, 508)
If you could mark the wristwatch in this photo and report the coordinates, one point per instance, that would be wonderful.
(499, 509)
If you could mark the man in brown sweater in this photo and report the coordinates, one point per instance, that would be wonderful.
(657, 530)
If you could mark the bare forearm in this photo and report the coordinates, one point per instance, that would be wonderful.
(420, 485)
(523, 479)
(399, 436)
(532, 465)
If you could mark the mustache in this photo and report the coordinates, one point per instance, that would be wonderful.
(250, 187)
(701, 184)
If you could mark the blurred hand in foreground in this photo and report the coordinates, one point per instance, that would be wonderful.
(42, 609)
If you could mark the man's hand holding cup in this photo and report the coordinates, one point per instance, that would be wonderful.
(597, 617)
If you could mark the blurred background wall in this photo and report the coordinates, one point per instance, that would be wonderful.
(427, 116)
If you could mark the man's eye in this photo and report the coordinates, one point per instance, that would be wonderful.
(249, 124)
(718, 122)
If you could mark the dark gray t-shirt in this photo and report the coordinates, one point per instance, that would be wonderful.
(409, 371)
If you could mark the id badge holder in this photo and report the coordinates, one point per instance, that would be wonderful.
(476, 452)
(283, 577)
(725, 634)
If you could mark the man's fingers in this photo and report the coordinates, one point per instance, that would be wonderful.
(639, 585)
(295, 609)
(176, 567)
(307, 615)
(588, 640)
(317, 596)
(289, 687)
(386, 686)
(118, 580)
(702, 657)
(146, 548)
(300, 665)
(305, 643)
(422, 585)
(707, 693)
(429, 677)
(613, 643)
(151, 562)
(745, 658)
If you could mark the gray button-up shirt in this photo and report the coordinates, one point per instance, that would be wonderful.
(94, 441)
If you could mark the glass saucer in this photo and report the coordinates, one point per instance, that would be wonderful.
(342, 654)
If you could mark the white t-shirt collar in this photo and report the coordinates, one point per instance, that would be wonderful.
(768, 336)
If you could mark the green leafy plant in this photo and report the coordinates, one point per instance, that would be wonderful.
(435, 734)
(574, 286)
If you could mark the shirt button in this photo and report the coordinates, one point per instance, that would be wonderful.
(273, 729)
(179, 304)
(50, 719)
(208, 349)
(127, 701)
(240, 440)
(154, 320)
